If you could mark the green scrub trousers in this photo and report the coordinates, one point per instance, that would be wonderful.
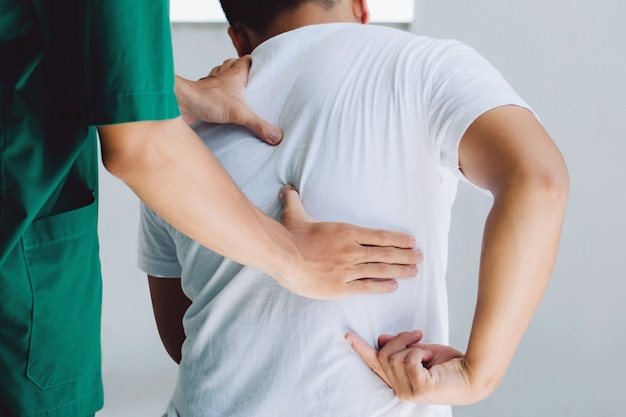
(65, 67)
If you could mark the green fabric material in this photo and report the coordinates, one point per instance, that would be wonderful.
(74, 64)
(66, 66)
(50, 333)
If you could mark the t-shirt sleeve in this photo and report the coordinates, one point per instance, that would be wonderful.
(463, 86)
(114, 57)
(156, 255)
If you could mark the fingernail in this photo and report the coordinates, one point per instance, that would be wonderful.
(348, 340)
(275, 136)
(412, 243)
(283, 190)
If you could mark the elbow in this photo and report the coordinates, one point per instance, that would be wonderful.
(122, 161)
(114, 164)
(548, 186)
(127, 148)
(553, 183)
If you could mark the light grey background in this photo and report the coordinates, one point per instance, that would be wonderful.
(568, 60)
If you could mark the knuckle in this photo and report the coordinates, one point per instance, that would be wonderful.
(414, 257)
(375, 366)
(402, 396)
(364, 285)
(408, 270)
(383, 269)
(343, 231)
(259, 126)
(386, 254)
(412, 360)
(350, 252)
(394, 360)
(374, 286)
(382, 237)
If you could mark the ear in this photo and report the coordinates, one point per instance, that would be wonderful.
(361, 11)
(240, 40)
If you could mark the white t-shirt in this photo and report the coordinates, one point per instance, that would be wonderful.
(372, 119)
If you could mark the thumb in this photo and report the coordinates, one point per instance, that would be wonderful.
(266, 131)
(293, 212)
(367, 353)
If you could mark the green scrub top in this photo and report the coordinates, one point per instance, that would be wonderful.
(65, 67)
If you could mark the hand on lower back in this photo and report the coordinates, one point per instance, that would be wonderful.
(420, 372)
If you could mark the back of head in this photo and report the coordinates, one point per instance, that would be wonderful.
(257, 15)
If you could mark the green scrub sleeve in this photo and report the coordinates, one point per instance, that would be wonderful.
(73, 64)
(114, 57)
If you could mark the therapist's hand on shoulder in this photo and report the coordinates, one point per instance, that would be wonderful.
(340, 259)
(219, 98)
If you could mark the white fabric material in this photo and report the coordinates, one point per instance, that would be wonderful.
(372, 119)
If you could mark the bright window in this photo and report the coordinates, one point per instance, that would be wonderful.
(385, 11)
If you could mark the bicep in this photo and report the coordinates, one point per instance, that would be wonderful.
(169, 304)
(508, 144)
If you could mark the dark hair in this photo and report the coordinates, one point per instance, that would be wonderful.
(258, 14)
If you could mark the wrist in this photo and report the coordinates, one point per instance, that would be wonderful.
(283, 259)
(183, 90)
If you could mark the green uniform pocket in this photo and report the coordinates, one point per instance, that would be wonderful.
(64, 269)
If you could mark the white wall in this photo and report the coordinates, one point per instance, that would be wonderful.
(205, 11)
(567, 59)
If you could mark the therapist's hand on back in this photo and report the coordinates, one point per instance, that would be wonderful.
(219, 98)
(341, 259)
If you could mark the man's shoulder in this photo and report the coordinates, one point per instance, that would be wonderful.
(399, 33)
(392, 38)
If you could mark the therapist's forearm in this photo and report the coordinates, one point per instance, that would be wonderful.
(520, 243)
(175, 174)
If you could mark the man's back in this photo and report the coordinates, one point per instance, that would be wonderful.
(372, 120)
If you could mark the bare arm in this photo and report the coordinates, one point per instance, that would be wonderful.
(169, 305)
(530, 183)
(509, 153)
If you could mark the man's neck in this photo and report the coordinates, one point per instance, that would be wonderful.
(309, 13)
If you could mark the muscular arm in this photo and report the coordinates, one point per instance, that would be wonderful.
(508, 152)
(169, 304)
